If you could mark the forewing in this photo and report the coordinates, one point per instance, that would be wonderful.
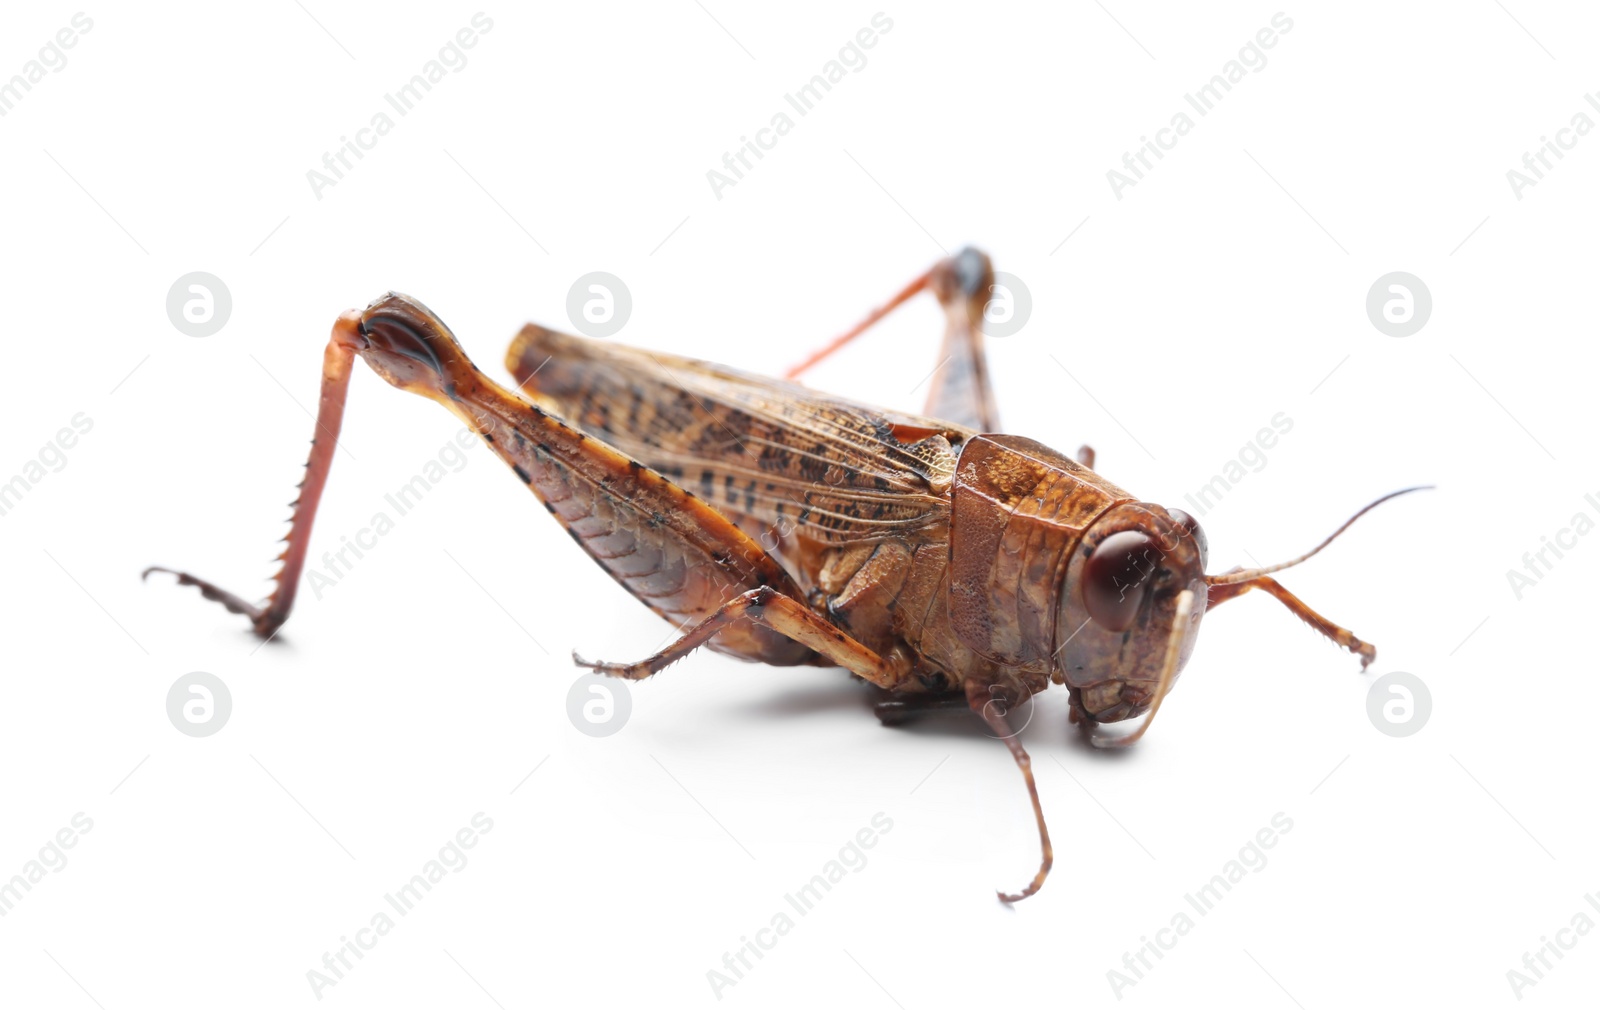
(774, 455)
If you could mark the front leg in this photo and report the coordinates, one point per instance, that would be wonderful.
(768, 608)
(991, 709)
(1340, 636)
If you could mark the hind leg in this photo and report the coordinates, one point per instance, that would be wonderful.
(959, 389)
(266, 618)
(669, 548)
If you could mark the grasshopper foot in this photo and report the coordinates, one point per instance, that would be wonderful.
(627, 671)
(264, 621)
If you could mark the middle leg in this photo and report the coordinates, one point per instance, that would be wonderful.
(766, 607)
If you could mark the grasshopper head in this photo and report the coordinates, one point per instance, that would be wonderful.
(1122, 619)
(1131, 604)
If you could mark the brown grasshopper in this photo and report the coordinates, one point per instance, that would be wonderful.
(945, 563)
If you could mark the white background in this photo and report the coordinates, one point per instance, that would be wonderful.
(424, 687)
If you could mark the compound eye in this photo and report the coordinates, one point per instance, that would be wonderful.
(1118, 577)
(1192, 526)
